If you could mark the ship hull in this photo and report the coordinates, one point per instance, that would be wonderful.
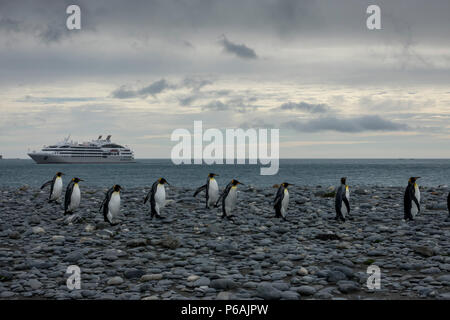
(41, 158)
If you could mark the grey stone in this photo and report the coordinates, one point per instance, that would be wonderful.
(268, 292)
(306, 290)
(115, 281)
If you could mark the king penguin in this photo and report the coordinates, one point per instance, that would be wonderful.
(229, 198)
(212, 190)
(56, 186)
(73, 196)
(411, 200)
(111, 204)
(281, 201)
(157, 196)
(342, 204)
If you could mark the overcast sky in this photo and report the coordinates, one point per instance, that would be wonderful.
(140, 69)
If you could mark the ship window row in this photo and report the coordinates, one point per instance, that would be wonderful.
(83, 149)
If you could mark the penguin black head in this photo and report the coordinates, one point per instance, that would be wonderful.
(286, 184)
(117, 188)
(59, 174)
(163, 181)
(234, 182)
(76, 180)
(413, 179)
(343, 180)
(212, 175)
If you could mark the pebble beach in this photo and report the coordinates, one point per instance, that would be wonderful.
(194, 254)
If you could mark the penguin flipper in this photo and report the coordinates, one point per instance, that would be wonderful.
(199, 190)
(279, 196)
(46, 184)
(68, 196)
(147, 197)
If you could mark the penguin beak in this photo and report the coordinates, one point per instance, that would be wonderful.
(241, 183)
(167, 183)
(81, 179)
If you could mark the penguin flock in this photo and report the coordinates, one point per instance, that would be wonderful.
(110, 205)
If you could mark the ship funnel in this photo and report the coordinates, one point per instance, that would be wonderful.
(99, 137)
(108, 138)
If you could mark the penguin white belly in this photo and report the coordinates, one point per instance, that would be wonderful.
(343, 206)
(75, 198)
(160, 197)
(284, 203)
(344, 209)
(230, 201)
(114, 206)
(414, 208)
(213, 192)
(57, 189)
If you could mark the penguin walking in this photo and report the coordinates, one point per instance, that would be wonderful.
(281, 201)
(56, 186)
(342, 204)
(411, 200)
(229, 199)
(157, 196)
(73, 196)
(212, 190)
(111, 204)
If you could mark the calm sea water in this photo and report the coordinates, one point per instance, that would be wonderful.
(309, 172)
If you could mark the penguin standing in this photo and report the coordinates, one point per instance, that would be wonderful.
(411, 200)
(229, 198)
(73, 196)
(111, 204)
(342, 204)
(157, 196)
(56, 187)
(212, 190)
(281, 201)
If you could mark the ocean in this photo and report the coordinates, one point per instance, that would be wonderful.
(305, 172)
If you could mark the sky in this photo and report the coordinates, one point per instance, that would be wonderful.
(139, 69)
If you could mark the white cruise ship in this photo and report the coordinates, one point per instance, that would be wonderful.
(95, 151)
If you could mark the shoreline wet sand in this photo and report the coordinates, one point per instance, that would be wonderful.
(194, 254)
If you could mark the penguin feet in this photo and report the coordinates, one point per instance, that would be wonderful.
(159, 217)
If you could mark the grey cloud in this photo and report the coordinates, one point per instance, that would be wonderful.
(53, 100)
(216, 105)
(186, 101)
(304, 106)
(123, 93)
(9, 25)
(240, 50)
(51, 34)
(237, 104)
(349, 125)
(157, 87)
(256, 123)
(195, 83)
(152, 89)
(188, 44)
